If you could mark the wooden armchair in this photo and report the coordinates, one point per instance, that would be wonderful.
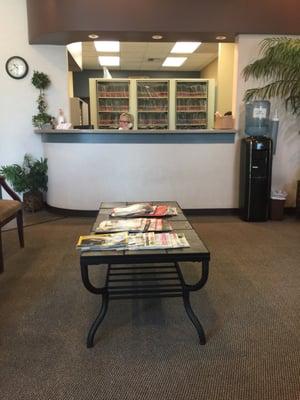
(10, 209)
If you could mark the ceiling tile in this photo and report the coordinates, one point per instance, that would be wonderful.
(136, 55)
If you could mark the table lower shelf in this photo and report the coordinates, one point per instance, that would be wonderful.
(144, 282)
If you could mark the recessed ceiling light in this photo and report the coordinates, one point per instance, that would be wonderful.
(108, 46)
(221, 37)
(93, 36)
(157, 37)
(174, 61)
(185, 47)
(109, 60)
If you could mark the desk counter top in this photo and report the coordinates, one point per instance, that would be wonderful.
(137, 136)
(139, 131)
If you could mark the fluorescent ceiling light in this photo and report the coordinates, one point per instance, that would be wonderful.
(110, 46)
(174, 61)
(109, 60)
(185, 47)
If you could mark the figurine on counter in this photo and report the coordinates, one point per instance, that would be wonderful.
(61, 121)
(61, 117)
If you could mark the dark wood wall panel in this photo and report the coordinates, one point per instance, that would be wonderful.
(65, 21)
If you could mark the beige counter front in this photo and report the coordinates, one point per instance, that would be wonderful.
(199, 169)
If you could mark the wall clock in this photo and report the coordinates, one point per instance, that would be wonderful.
(16, 67)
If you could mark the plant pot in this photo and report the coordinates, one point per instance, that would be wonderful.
(33, 201)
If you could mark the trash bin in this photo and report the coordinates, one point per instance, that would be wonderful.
(278, 198)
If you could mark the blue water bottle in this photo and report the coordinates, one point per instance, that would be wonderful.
(257, 118)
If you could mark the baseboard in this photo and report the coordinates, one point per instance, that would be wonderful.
(211, 211)
(188, 211)
(71, 213)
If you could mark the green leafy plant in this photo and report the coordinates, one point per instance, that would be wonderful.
(41, 81)
(30, 176)
(279, 67)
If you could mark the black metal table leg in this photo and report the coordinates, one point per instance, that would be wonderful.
(98, 320)
(192, 316)
(186, 297)
(96, 290)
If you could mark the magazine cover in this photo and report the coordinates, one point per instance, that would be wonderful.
(134, 225)
(156, 241)
(159, 225)
(133, 209)
(123, 225)
(163, 210)
(144, 210)
(115, 241)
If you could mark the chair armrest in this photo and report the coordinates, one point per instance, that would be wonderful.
(8, 189)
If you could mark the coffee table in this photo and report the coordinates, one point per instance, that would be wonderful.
(146, 273)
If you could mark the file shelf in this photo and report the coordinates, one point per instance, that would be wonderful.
(112, 100)
(191, 104)
(154, 103)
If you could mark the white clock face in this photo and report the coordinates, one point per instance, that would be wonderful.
(16, 67)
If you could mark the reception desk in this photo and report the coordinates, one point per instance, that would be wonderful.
(197, 168)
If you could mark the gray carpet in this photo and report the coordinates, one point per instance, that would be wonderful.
(148, 349)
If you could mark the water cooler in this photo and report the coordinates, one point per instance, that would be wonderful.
(255, 178)
(256, 164)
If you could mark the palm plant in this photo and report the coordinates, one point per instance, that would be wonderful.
(280, 68)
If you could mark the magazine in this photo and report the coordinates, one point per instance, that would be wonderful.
(109, 241)
(133, 225)
(151, 241)
(159, 225)
(144, 210)
(133, 209)
(132, 241)
(122, 225)
(163, 210)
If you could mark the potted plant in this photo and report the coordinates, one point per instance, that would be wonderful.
(41, 81)
(279, 66)
(30, 178)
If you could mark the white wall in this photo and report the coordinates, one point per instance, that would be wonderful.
(286, 161)
(18, 97)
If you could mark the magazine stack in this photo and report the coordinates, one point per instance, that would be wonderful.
(125, 231)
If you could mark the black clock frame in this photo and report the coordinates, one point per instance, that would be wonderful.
(26, 67)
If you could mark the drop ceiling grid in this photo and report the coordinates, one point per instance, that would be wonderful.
(135, 55)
